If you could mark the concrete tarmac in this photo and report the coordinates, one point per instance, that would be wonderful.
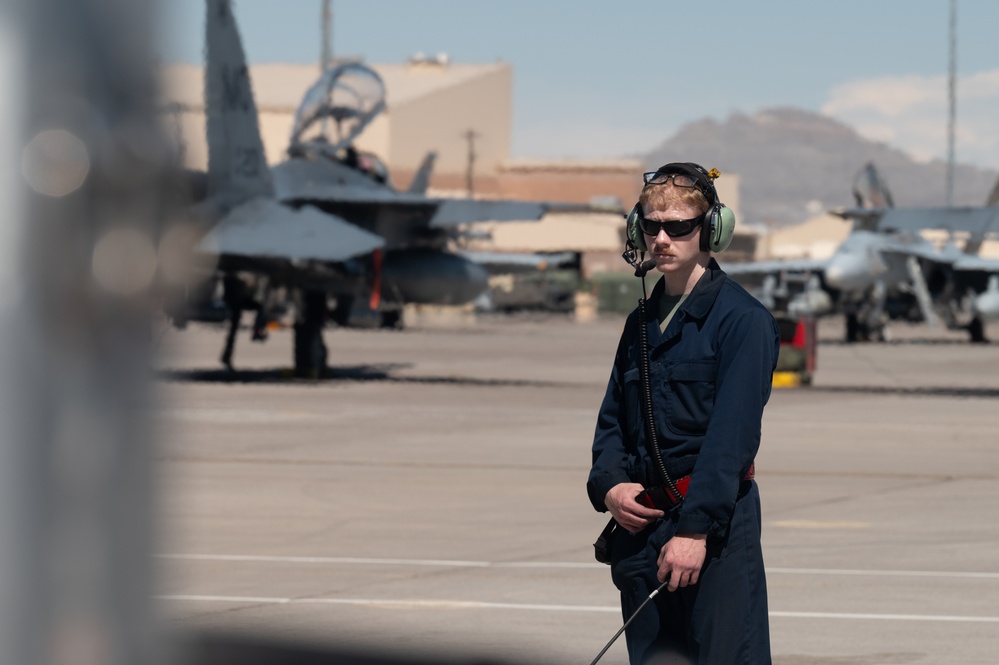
(429, 498)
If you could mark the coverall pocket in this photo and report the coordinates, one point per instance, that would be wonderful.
(631, 386)
(690, 396)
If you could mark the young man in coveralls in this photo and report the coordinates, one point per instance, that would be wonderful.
(712, 351)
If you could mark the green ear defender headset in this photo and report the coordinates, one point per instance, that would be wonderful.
(719, 221)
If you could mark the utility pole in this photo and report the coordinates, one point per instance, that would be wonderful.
(326, 49)
(326, 55)
(952, 102)
(470, 136)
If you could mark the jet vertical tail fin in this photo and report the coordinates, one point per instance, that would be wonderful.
(975, 242)
(870, 189)
(237, 165)
(422, 178)
(993, 198)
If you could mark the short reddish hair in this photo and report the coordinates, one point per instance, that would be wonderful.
(660, 197)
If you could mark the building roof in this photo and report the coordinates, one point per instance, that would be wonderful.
(556, 232)
(533, 165)
(409, 81)
(816, 238)
(279, 87)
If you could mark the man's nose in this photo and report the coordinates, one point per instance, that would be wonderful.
(662, 238)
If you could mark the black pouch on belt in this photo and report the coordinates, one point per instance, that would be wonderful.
(602, 547)
(660, 498)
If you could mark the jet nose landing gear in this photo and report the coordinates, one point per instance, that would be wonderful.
(310, 350)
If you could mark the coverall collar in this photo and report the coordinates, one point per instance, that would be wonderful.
(696, 306)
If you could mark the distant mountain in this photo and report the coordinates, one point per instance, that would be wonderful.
(787, 158)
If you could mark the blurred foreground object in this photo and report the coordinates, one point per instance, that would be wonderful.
(81, 174)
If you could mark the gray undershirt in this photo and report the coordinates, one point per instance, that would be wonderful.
(668, 307)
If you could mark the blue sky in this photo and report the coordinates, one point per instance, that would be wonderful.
(599, 79)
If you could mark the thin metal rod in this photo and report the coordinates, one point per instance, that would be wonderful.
(628, 622)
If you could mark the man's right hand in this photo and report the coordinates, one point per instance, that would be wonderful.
(630, 514)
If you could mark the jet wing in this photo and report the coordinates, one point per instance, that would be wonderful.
(452, 212)
(977, 264)
(977, 221)
(300, 180)
(763, 268)
(792, 285)
(915, 245)
(862, 214)
(264, 228)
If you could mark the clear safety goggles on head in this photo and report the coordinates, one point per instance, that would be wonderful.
(673, 228)
(679, 179)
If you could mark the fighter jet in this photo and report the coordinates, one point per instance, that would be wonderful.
(886, 270)
(325, 225)
(323, 169)
(262, 251)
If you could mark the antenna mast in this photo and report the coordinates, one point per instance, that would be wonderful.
(952, 102)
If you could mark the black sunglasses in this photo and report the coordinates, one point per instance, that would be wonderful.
(673, 228)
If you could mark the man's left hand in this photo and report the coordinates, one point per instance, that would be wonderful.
(682, 558)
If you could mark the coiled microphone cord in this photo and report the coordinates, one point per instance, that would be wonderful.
(628, 622)
(651, 440)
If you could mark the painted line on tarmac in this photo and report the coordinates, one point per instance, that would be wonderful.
(885, 617)
(447, 563)
(438, 563)
(396, 604)
(228, 599)
(473, 604)
(882, 573)
(820, 524)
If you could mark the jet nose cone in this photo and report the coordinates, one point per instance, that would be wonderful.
(849, 273)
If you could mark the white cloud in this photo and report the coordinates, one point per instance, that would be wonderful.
(910, 113)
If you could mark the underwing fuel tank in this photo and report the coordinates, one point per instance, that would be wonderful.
(987, 303)
(810, 303)
(430, 277)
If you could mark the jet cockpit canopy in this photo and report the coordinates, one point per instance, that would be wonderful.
(337, 108)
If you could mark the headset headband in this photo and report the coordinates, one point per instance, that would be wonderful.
(700, 175)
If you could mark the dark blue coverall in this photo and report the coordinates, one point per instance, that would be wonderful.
(710, 374)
